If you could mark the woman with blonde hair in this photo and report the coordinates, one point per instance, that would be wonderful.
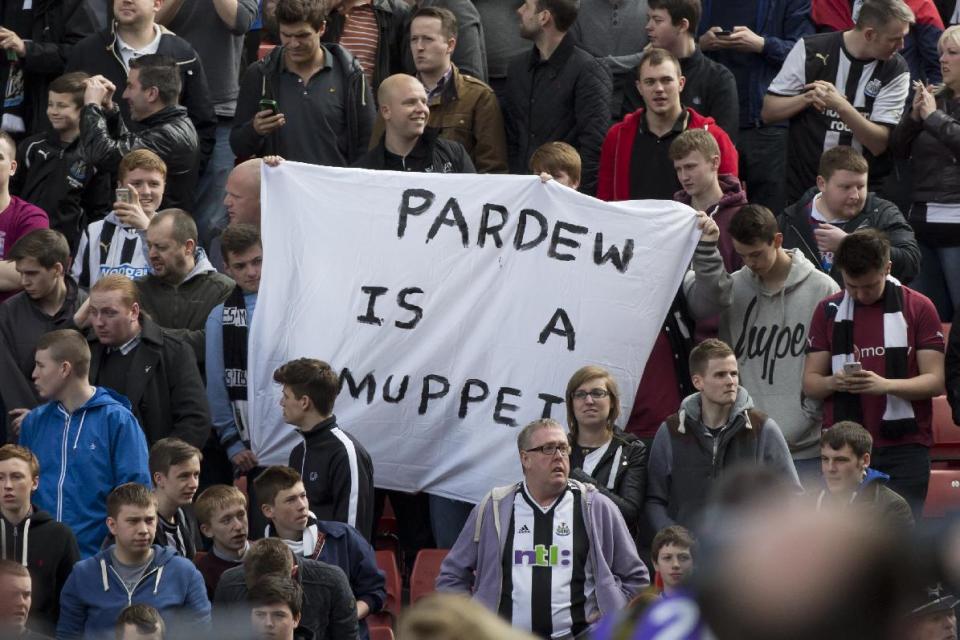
(447, 616)
(929, 136)
(613, 461)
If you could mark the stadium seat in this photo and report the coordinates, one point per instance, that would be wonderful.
(426, 568)
(946, 435)
(387, 562)
(381, 633)
(943, 494)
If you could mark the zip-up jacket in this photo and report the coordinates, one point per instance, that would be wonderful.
(874, 497)
(620, 475)
(58, 179)
(83, 456)
(392, 17)
(97, 54)
(258, 84)
(342, 546)
(337, 474)
(474, 565)
(432, 154)
(95, 595)
(169, 133)
(613, 180)
(686, 460)
(732, 200)
(877, 213)
(329, 609)
(48, 550)
(49, 33)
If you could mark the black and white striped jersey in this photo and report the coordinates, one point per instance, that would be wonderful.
(876, 88)
(106, 246)
(547, 578)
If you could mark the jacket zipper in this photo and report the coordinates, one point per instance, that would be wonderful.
(63, 467)
(124, 584)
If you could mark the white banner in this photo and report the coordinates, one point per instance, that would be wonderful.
(455, 308)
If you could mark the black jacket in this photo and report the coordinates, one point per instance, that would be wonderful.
(952, 368)
(22, 323)
(49, 33)
(49, 551)
(97, 54)
(877, 213)
(324, 460)
(630, 479)
(329, 610)
(432, 154)
(59, 180)
(392, 21)
(933, 147)
(163, 385)
(566, 98)
(257, 84)
(169, 133)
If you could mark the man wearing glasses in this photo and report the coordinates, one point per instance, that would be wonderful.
(549, 554)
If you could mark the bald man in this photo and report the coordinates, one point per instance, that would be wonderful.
(407, 144)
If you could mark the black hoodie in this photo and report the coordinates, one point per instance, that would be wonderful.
(49, 551)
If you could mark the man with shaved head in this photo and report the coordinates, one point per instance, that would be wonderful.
(407, 144)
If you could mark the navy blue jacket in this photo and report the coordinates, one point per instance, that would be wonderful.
(781, 23)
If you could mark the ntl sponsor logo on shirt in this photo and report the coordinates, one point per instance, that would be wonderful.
(543, 556)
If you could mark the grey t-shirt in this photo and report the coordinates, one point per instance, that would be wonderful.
(130, 574)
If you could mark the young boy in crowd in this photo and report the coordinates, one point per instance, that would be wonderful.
(52, 172)
(140, 622)
(283, 501)
(175, 470)
(133, 571)
(672, 551)
(276, 604)
(222, 513)
(558, 161)
(32, 537)
(117, 244)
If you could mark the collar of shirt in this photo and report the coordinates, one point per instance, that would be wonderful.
(327, 62)
(128, 346)
(441, 84)
(559, 56)
(678, 127)
(127, 52)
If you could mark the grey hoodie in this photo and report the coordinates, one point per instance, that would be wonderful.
(768, 332)
(676, 496)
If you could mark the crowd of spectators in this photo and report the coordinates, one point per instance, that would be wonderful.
(779, 441)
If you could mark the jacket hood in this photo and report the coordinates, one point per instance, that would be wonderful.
(161, 557)
(873, 476)
(690, 408)
(202, 265)
(104, 397)
(733, 193)
(696, 121)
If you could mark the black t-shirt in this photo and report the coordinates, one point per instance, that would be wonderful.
(652, 175)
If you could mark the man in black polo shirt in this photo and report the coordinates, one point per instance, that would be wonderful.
(635, 160)
(305, 101)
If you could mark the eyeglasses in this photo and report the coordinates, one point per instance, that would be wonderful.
(551, 448)
(596, 394)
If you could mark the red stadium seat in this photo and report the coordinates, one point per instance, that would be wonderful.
(943, 494)
(946, 435)
(387, 562)
(381, 633)
(426, 568)
(264, 49)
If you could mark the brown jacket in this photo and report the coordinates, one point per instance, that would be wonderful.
(466, 111)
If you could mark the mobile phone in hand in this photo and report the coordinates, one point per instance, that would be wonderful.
(723, 34)
(270, 105)
(852, 367)
(123, 195)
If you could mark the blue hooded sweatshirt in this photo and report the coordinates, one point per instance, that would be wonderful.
(83, 456)
(94, 596)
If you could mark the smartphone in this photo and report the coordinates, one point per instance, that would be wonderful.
(723, 34)
(123, 195)
(269, 105)
(851, 367)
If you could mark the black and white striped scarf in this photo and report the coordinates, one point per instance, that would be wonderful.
(235, 336)
(898, 417)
